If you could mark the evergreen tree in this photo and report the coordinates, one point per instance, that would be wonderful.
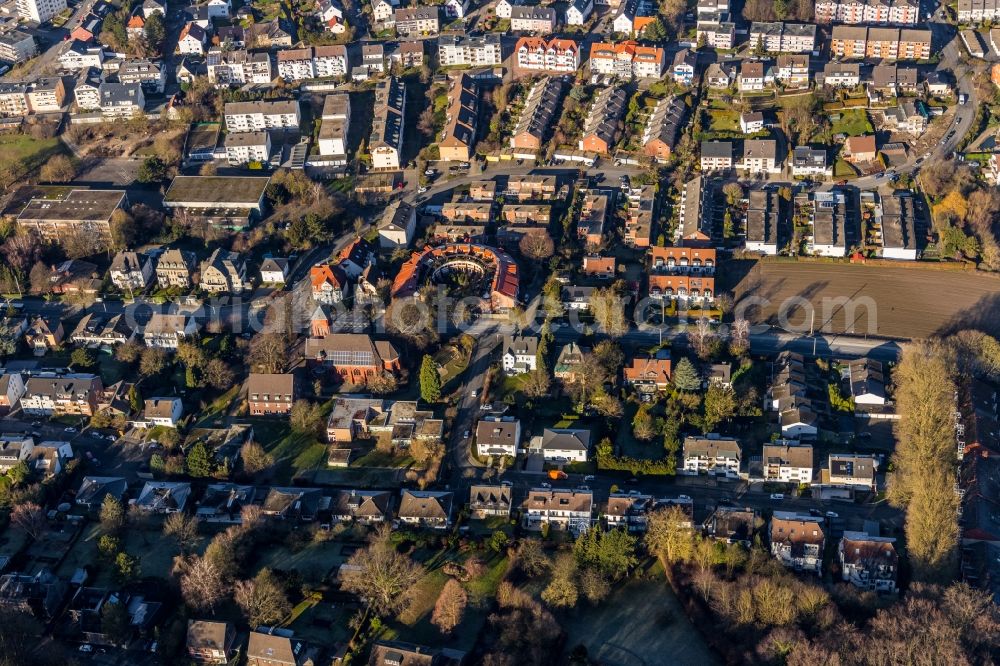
(199, 464)
(685, 376)
(430, 380)
(135, 399)
(190, 380)
(156, 31)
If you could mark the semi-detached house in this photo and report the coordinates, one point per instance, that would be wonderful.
(417, 21)
(563, 509)
(56, 396)
(541, 55)
(719, 456)
(238, 67)
(540, 20)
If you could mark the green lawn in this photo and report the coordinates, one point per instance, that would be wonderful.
(295, 454)
(842, 169)
(724, 121)
(376, 458)
(23, 148)
(414, 624)
(852, 122)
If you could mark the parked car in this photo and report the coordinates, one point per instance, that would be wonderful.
(69, 429)
(777, 496)
(589, 477)
(832, 514)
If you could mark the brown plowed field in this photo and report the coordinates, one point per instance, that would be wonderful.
(906, 301)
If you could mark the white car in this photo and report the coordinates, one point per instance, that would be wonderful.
(832, 514)
(422, 190)
(466, 435)
(69, 429)
(87, 647)
(777, 496)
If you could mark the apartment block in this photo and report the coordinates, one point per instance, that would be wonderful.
(262, 115)
(386, 139)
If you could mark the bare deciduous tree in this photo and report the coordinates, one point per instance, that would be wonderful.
(30, 517)
(202, 584)
(383, 577)
(183, 529)
(268, 352)
(262, 599)
(255, 458)
(450, 607)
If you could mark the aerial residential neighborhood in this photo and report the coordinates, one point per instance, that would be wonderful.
(455, 332)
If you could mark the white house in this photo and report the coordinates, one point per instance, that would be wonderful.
(382, 10)
(797, 541)
(219, 8)
(852, 470)
(274, 270)
(192, 39)
(579, 11)
(867, 382)
(563, 509)
(456, 9)
(520, 354)
(562, 444)
(751, 122)
(11, 390)
(398, 225)
(165, 412)
(788, 462)
(131, 271)
(498, 436)
(167, 331)
(504, 8)
(868, 562)
(247, 147)
(427, 508)
(714, 455)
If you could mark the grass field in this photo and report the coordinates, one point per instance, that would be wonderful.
(32, 152)
(852, 122)
(640, 624)
(724, 121)
(317, 560)
(911, 301)
(842, 169)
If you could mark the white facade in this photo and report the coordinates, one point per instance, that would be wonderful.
(247, 147)
(39, 11)
(192, 41)
(166, 412)
(578, 12)
(219, 8)
(296, 70)
(259, 116)
(330, 64)
(74, 59)
(563, 509)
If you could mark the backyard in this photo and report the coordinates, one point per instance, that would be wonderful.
(640, 624)
(852, 122)
(31, 152)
